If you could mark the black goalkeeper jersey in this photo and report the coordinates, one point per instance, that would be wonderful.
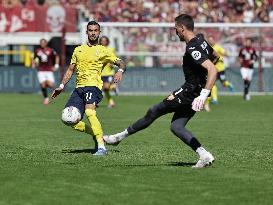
(197, 51)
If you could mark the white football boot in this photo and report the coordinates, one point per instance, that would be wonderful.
(116, 138)
(204, 161)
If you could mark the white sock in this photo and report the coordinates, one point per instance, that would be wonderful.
(201, 151)
(122, 135)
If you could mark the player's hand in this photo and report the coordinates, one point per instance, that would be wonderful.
(56, 67)
(170, 97)
(198, 103)
(118, 77)
(57, 91)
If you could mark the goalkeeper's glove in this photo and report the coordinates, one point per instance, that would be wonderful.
(198, 103)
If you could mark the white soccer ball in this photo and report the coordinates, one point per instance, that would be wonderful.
(71, 116)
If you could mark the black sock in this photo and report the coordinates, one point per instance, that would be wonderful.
(44, 92)
(246, 86)
(194, 144)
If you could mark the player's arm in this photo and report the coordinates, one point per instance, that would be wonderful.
(57, 62)
(240, 56)
(223, 52)
(67, 76)
(34, 60)
(255, 55)
(198, 103)
(212, 73)
(122, 68)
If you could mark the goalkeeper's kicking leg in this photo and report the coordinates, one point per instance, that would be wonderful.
(152, 114)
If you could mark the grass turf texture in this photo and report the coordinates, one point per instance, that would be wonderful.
(44, 162)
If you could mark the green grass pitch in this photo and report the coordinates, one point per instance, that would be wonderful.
(44, 162)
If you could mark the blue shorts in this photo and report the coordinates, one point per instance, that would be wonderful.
(84, 95)
(107, 79)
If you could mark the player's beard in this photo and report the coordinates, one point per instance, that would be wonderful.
(180, 36)
(93, 40)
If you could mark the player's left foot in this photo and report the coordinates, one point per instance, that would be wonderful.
(46, 101)
(204, 161)
(111, 139)
(116, 138)
(100, 152)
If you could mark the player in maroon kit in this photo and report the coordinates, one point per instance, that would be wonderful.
(247, 57)
(44, 59)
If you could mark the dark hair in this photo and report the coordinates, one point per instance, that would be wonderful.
(185, 20)
(92, 23)
(107, 39)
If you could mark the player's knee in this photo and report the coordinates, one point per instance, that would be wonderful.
(176, 128)
(106, 86)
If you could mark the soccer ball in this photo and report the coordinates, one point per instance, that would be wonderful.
(71, 116)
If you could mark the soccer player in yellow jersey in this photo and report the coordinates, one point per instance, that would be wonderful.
(220, 66)
(88, 61)
(107, 73)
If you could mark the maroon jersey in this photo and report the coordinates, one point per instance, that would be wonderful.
(46, 58)
(248, 56)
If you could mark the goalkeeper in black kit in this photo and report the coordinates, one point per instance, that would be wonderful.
(200, 75)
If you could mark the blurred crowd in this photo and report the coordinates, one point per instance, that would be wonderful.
(164, 10)
(163, 40)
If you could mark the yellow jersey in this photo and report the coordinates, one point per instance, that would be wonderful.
(108, 69)
(220, 66)
(89, 61)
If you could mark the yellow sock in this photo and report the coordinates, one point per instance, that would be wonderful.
(83, 127)
(109, 97)
(214, 94)
(95, 126)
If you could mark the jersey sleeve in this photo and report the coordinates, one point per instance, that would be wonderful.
(221, 50)
(73, 58)
(198, 54)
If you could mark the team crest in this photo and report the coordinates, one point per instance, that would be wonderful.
(196, 55)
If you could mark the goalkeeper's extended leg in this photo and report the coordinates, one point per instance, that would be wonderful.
(152, 114)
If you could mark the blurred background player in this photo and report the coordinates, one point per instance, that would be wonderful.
(87, 61)
(220, 66)
(108, 73)
(247, 57)
(44, 59)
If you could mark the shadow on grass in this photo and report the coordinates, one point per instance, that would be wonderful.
(80, 151)
(180, 164)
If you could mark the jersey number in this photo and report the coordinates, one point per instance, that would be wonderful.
(88, 96)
